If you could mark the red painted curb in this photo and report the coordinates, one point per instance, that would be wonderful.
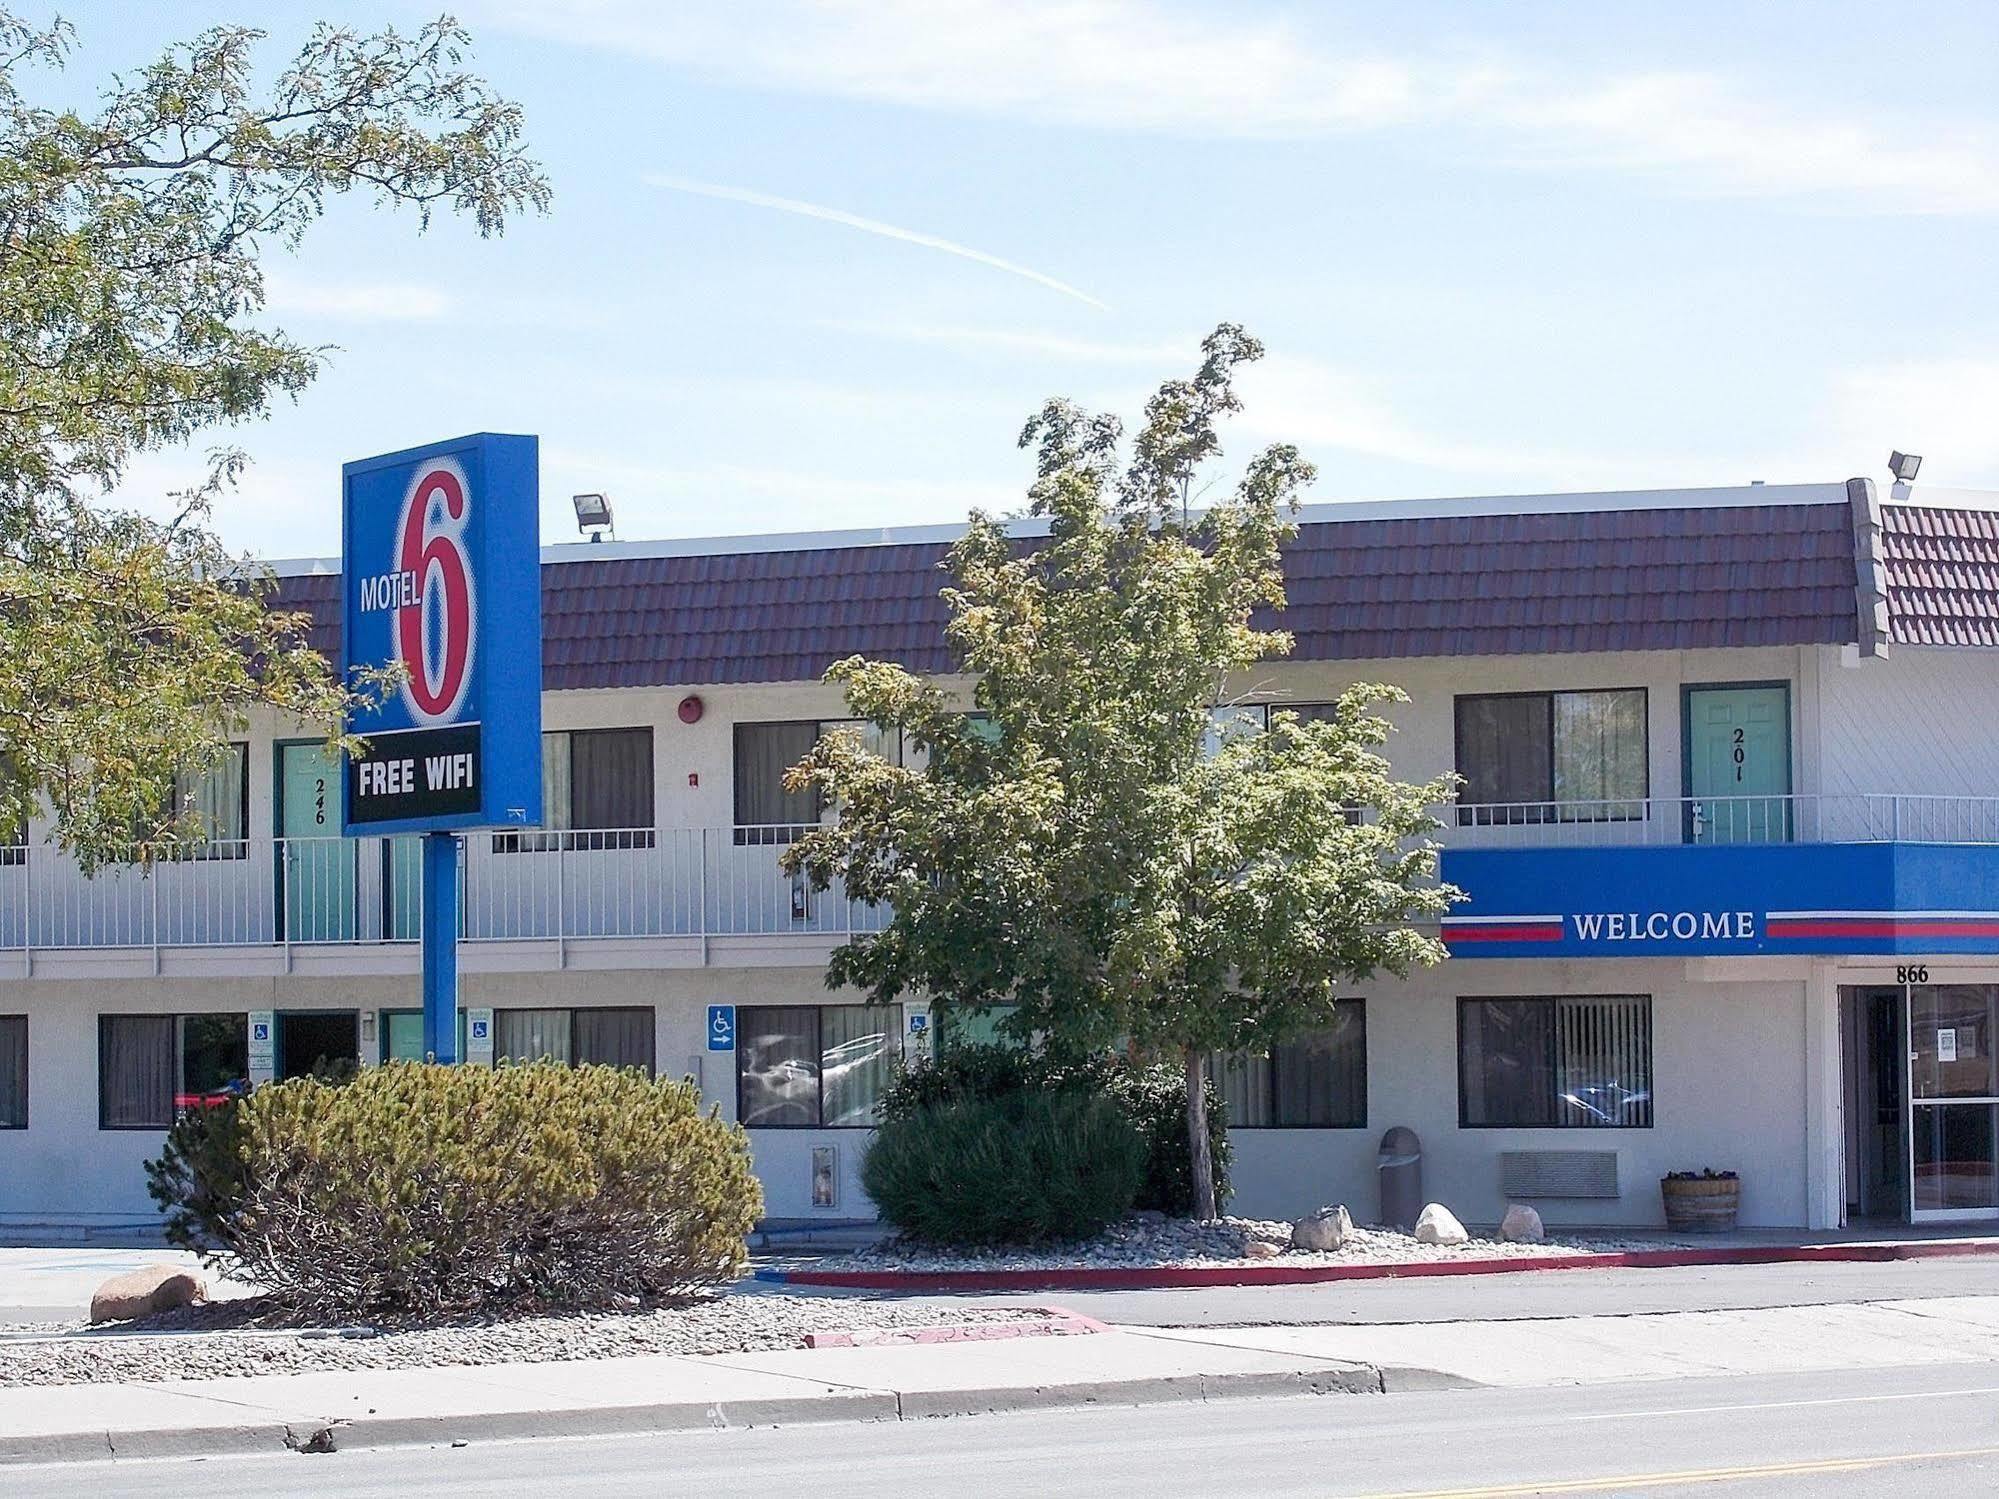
(1178, 1277)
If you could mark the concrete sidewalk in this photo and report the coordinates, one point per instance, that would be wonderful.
(321, 1411)
(1119, 1366)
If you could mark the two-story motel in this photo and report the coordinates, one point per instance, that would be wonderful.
(1730, 832)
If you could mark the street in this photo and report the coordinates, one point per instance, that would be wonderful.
(1882, 1433)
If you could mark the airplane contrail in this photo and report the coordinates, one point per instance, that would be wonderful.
(866, 226)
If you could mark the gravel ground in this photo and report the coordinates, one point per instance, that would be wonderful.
(205, 1344)
(1144, 1242)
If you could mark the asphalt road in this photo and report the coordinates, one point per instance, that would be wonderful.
(1549, 1293)
(1882, 1434)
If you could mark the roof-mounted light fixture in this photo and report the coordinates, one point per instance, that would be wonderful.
(593, 515)
(1903, 466)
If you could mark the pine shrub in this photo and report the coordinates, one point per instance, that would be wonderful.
(1152, 1095)
(1023, 1168)
(423, 1190)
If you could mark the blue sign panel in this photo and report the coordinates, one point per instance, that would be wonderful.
(721, 1027)
(1690, 901)
(441, 579)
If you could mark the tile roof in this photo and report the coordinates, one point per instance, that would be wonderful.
(1943, 574)
(1672, 578)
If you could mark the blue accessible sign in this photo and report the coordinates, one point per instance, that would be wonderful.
(721, 1027)
(441, 578)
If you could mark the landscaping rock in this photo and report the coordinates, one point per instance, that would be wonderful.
(1322, 1231)
(1260, 1249)
(1521, 1225)
(142, 1292)
(1439, 1225)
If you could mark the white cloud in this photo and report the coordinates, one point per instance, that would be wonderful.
(356, 302)
(867, 226)
(1941, 408)
(1143, 65)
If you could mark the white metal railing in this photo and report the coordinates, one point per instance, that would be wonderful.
(1856, 817)
(623, 883)
(725, 882)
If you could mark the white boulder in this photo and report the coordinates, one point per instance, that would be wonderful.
(149, 1289)
(1521, 1225)
(1324, 1230)
(1439, 1225)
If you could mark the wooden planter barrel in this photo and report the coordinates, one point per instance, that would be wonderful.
(1704, 1205)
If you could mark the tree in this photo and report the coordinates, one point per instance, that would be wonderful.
(131, 253)
(1080, 850)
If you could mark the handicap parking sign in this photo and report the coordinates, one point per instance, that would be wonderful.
(479, 1028)
(919, 1024)
(721, 1027)
(261, 1031)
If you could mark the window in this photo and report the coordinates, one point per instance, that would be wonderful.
(1232, 719)
(813, 1066)
(620, 1036)
(1567, 1063)
(402, 1035)
(596, 792)
(1553, 757)
(955, 1026)
(765, 811)
(13, 1071)
(216, 799)
(1316, 1081)
(149, 1067)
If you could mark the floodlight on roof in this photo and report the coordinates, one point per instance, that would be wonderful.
(593, 514)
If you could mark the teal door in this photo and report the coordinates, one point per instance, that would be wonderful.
(317, 864)
(1739, 764)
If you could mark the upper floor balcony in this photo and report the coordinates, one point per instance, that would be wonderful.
(634, 897)
(671, 897)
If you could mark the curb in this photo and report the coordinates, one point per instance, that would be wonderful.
(312, 1437)
(1055, 1322)
(1184, 1277)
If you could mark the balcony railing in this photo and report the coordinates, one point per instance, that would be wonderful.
(630, 883)
(1837, 818)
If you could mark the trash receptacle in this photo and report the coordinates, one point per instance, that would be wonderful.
(1401, 1177)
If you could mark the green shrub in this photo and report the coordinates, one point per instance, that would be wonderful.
(1018, 1169)
(1152, 1096)
(427, 1190)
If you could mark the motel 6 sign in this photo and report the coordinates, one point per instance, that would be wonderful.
(441, 579)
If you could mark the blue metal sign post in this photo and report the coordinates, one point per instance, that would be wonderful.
(441, 583)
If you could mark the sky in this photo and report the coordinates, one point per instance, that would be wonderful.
(812, 265)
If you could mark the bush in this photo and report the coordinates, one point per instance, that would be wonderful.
(1152, 1096)
(429, 1190)
(1018, 1169)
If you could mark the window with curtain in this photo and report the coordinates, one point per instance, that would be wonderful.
(614, 1037)
(13, 1071)
(1552, 756)
(531, 1035)
(1233, 719)
(765, 811)
(149, 1067)
(216, 798)
(814, 1066)
(596, 792)
(1317, 1080)
(1569, 1062)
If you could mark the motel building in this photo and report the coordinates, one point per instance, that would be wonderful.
(1729, 832)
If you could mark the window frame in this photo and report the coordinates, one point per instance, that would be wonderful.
(1554, 1060)
(570, 838)
(7, 1022)
(176, 1020)
(1269, 1060)
(227, 849)
(1532, 808)
(819, 1065)
(750, 833)
(651, 1012)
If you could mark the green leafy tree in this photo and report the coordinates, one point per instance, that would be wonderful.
(132, 244)
(1080, 849)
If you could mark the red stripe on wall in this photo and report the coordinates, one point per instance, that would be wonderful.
(1883, 926)
(1497, 933)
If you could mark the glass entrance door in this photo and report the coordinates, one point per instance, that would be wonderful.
(1953, 1101)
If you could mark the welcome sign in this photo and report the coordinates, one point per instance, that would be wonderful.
(441, 580)
(1709, 900)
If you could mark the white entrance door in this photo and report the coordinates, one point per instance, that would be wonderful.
(1953, 1102)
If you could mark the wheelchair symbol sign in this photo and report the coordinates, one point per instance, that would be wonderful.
(721, 1027)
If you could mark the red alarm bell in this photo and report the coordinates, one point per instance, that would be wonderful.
(690, 708)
